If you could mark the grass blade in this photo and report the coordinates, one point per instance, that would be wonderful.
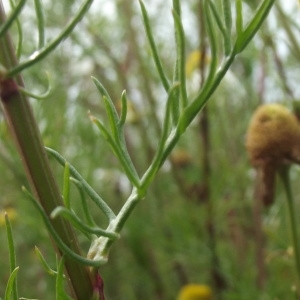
(9, 291)
(12, 256)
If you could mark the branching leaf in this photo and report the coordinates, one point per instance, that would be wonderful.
(246, 36)
(160, 155)
(119, 148)
(88, 189)
(78, 223)
(63, 247)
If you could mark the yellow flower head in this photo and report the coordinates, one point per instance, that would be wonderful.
(11, 212)
(193, 62)
(195, 292)
(273, 136)
(181, 158)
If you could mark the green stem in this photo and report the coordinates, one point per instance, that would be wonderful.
(284, 174)
(100, 247)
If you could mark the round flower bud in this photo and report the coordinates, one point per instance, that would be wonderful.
(273, 136)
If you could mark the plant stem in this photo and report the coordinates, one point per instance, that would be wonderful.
(284, 174)
(23, 127)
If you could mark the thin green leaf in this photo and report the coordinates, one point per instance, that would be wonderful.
(62, 246)
(200, 100)
(66, 187)
(43, 52)
(40, 22)
(177, 7)
(157, 161)
(226, 33)
(85, 207)
(180, 53)
(43, 96)
(9, 295)
(110, 110)
(246, 36)
(44, 263)
(167, 117)
(103, 131)
(152, 170)
(12, 254)
(123, 110)
(119, 148)
(117, 140)
(112, 117)
(88, 189)
(213, 43)
(156, 58)
(102, 89)
(20, 32)
(239, 17)
(78, 223)
(60, 282)
(14, 15)
(20, 40)
(228, 24)
(218, 19)
(175, 107)
(227, 15)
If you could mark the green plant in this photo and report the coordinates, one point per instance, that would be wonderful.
(180, 111)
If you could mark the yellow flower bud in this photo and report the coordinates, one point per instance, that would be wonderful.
(11, 212)
(181, 158)
(195, 292)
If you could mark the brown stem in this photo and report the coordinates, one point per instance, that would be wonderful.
(23, 127)
(263, 195)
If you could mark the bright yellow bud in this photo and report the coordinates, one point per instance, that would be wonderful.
(195, 292)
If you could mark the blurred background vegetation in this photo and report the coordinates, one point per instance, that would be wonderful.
(196, 224)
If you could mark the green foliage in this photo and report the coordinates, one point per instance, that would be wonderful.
(166, 240)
